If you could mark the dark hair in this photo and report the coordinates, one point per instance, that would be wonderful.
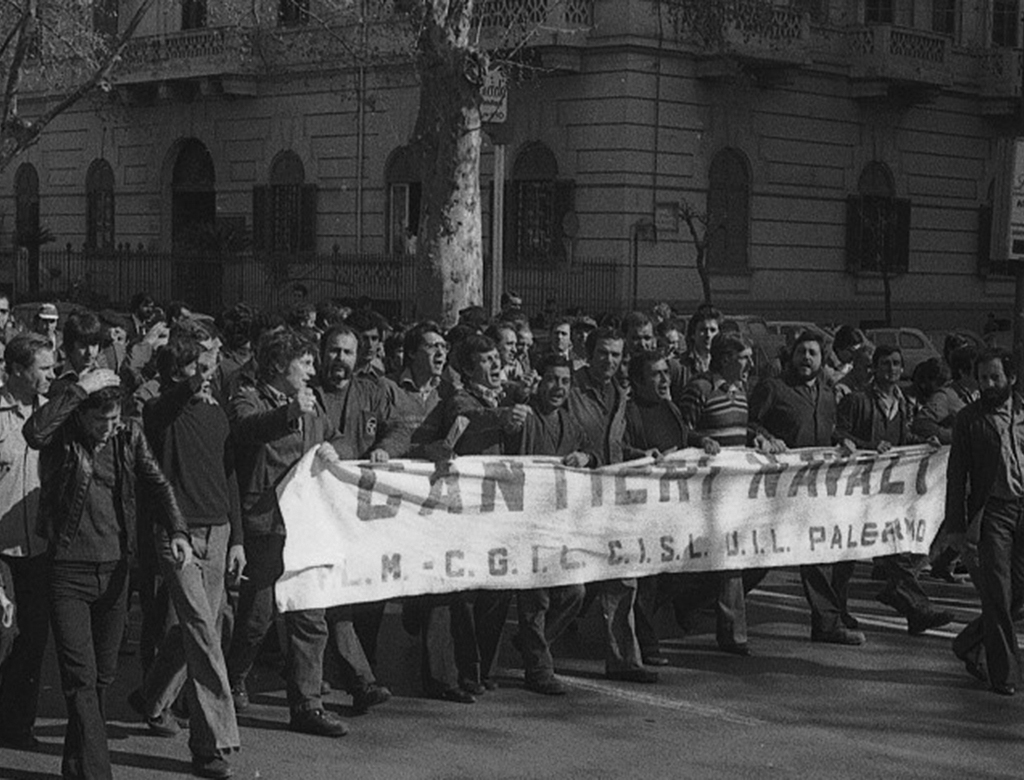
(704, 313)
(180, 350)
(474, 316)
(804, 336)
(103, 401)
(175, 308)
(83, 328)
(930, 375)
(140, 298)
(664, 327)
(494, 332)
(1004, 356)
(961, 361)
(329, 313)
(236, 323)
(601, 334)
(639, 362)
(635, 320)
(414, 337)
(471, 346)
(552, 360)
(298, 315)
(363, 320)
(953, 342)
(847, 337)
(726, 346)
(23, 348)
(883, 351)
(557, 321)
(278, 348)
(264, 322)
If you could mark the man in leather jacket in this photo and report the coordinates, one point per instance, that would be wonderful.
(92, 466)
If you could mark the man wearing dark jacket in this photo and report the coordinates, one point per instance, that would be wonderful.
(274, 422)
(984, 510)
(798, 409)
(92, 467)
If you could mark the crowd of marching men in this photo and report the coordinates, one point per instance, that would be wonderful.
(143, 454)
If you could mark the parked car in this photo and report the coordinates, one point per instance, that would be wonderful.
(914, 344)
(938, 337)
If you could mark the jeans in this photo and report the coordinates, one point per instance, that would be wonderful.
(190, 655)
(88, 604)
(19, 675)
(544, 613)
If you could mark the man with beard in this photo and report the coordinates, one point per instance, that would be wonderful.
(544, 613)
(798, 409)
(984, 513)
(878, 418)
(357, 408)
(598, 404)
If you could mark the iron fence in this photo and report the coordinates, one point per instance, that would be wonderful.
(211, 282)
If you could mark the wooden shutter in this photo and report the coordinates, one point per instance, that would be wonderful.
(899, 260)
(854, 233)
(307, 218)
(564, 204)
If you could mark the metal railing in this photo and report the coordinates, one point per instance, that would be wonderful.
(209, 283)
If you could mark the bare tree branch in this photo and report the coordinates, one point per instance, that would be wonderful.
(24, 27)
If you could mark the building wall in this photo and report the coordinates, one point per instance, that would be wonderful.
(635, 128)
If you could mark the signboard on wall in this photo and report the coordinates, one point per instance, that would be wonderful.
(494, 96)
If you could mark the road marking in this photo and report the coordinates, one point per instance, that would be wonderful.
(895, 623)
(663, 702)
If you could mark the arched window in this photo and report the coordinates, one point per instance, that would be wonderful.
(1005, 22)
(877, 224)
(193, 196)
(536, 205)
(284, 211)
(99, 206)
(402, 177)
(728, 212)
(878, 11)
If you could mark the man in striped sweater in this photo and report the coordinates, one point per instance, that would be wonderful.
(714, 405)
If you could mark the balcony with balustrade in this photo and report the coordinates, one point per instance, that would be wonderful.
(885, 60)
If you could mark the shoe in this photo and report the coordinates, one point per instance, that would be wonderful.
(736, 649)
(547, 687)
(472, 687)
(887, 598)
(849, 621)
(655, 659)
(240, 696)
(944, 574)
(839, 636)
(976, 670)
(456, 695)
(1005, 690)
(317, 722)
(370, 696)
(645, 676)
(22, 740)
(211, 766)
(918, 624)
(162, 725)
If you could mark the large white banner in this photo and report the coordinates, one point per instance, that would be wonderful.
(364, 532)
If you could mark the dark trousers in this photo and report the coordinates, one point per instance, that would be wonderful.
(342, 628)
(88, 604)
(19, 674)
(826, 587)
(307, 630)
(478, 618)
(544, 613)
(367, 619)
(901, 583)
(725, 590)
(999, 579)
(644, 610)
(429, 618)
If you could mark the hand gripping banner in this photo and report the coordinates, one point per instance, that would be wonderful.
(365, 532)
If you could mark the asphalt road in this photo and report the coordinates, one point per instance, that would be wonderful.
(898, 707)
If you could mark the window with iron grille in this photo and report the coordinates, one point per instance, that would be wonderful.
(944, 16)
(877, 225)
(728, 227)
(402, 177)
(99, 206)
(537, 203)
(284, 212)
(1005, 22)
(878, 12)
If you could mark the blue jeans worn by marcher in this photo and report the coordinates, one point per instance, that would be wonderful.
(190, 656)
(88, 604)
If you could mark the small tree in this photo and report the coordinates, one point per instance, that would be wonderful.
(698, 223)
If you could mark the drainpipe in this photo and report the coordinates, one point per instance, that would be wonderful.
(360, 129)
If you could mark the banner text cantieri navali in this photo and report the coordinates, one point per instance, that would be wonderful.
(360, 532)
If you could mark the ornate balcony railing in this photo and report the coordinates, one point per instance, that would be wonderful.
(535, 14)
(900, 54)
(751, 31)
(211, 51)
